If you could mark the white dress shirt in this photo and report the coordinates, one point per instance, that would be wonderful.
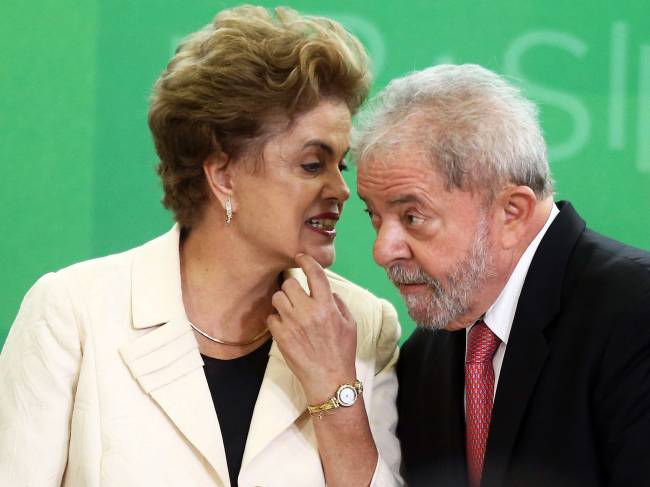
(500, 315)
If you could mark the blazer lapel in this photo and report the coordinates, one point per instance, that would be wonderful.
(527, 348)
(281, 400)
(167, 365)
(164, 359)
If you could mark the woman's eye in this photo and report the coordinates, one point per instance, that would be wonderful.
(312, 167)
(343, 167)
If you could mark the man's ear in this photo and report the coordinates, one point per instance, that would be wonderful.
(517, 207)
(218, 174)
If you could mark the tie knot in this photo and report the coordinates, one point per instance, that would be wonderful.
(481, 344)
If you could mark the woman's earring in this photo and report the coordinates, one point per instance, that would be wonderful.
(228, 211)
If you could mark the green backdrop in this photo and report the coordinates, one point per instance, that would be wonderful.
(77, 161)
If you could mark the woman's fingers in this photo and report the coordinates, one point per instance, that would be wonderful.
(294, 292)
(281, 302)
(316, 278)
(343, 309)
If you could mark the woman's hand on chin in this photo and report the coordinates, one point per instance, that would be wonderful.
(316, 334)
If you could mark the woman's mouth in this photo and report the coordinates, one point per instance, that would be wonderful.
(323, 224)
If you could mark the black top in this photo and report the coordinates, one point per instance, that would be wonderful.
(234, 386)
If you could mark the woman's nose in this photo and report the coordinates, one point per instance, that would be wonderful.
(337, 188)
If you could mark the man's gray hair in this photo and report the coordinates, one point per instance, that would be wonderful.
(476, 128)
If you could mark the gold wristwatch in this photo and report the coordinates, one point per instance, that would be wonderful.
(346, 395)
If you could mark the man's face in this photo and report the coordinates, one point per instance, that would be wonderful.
(433, 242)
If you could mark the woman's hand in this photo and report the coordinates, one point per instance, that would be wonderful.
(316, 334)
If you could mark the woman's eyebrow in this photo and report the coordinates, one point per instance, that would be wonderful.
(324, 146)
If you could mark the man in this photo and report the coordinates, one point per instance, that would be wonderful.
(531, 362)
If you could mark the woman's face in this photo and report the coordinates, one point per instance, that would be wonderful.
(293, 202)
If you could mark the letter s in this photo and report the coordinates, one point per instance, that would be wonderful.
(572, 105)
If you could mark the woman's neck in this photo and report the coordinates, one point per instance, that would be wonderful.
(227, 289)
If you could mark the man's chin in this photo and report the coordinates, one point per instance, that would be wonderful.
(423, 318)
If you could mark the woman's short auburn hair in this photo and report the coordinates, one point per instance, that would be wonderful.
(227, 81)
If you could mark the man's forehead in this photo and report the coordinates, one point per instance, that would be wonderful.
(398, 182)
(396, 156)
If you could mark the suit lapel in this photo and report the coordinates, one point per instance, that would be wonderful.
(527, 347)
(452, 414)
(164, 359)
(431, 424)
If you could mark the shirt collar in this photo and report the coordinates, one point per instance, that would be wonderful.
(500, 315)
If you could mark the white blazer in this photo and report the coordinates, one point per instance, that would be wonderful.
(101, 384)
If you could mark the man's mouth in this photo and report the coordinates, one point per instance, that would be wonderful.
(323, 224)
(410, 287)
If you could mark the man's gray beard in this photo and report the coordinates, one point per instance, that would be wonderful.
(449, 301)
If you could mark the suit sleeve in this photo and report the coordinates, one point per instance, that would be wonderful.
(383, 410)
(622, 399)
(39, 367)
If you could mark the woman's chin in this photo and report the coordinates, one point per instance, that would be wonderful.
(324, 256)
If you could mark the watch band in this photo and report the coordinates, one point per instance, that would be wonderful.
(335, 401)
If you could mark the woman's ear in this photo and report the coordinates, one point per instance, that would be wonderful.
(517, 204)
(218, 175)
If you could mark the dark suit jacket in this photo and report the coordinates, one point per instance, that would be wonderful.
(572, 406)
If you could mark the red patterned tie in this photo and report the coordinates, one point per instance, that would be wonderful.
(479, 392)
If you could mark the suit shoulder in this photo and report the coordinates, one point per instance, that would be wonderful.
(418, 346)
(604, 263)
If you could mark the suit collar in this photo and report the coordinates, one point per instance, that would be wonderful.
(538, 305)
(500, 316)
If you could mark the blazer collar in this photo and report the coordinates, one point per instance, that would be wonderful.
(156, 281)
(167, 365)
(165, 358)
(538, 305)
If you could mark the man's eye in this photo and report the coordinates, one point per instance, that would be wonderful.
(312, 167)
(414, 220)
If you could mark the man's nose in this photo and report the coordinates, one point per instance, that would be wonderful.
(390, 245)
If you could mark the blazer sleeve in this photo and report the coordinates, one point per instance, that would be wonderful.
(383, 410)
(622, 399)
(39, 367)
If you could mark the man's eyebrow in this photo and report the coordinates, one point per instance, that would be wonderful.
(399, 200)
(402, 199)
(324, 146)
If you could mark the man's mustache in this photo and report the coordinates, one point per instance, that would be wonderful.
(400, 274)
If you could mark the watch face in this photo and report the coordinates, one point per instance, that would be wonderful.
(347, 395)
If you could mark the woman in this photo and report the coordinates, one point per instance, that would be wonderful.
(156, 366)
